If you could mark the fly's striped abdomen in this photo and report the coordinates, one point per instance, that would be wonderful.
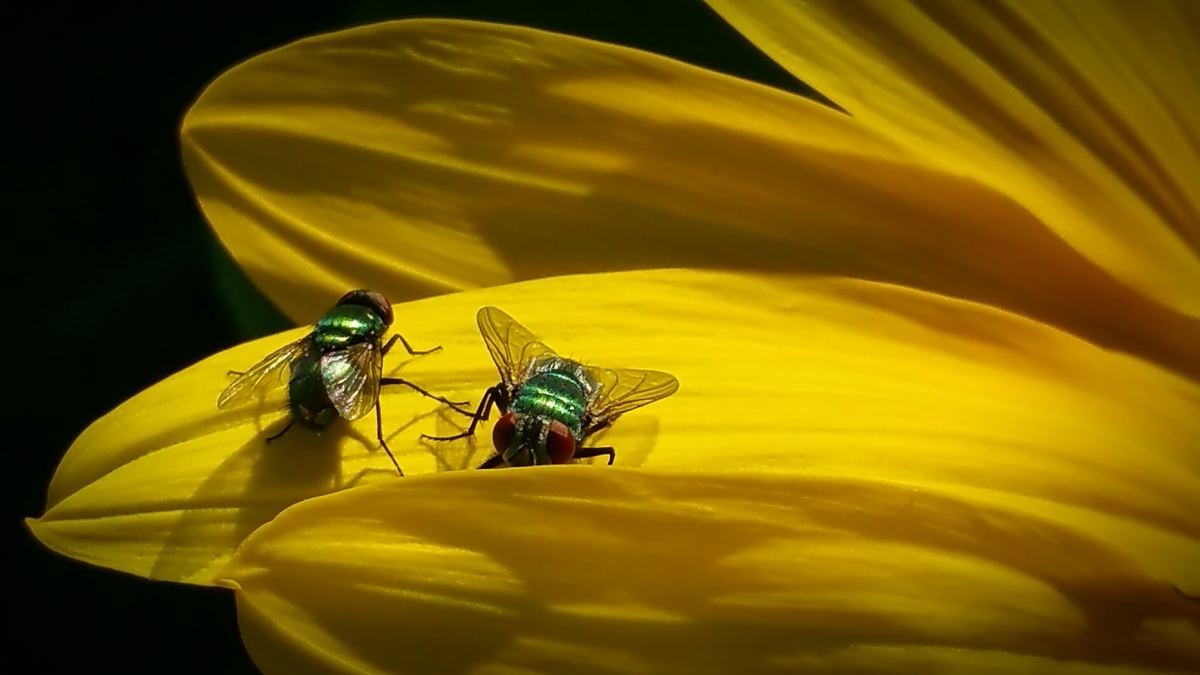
(553, 395)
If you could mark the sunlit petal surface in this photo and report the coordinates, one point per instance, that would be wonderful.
(812, 376)
(1082, 111)
(420, 157)
(591, 570)
(478, 154)
(166, 486)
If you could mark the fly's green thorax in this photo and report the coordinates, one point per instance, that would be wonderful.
(554, 394)
(346, 325)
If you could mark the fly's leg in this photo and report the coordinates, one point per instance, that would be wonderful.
(452, 404)
(379, 435)
(412, 352)
(236, 373)
(491, 397)
(281, 431)
(584, 453)
(495, 461)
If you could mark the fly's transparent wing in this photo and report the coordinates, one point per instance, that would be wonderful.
(512, 346)
(623, 389)
(351, 378)
(266, 375)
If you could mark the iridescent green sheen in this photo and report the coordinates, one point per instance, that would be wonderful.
(554, 394)
(308, 398)
(346, 325)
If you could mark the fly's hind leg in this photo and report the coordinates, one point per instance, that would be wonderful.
(379, 435)
(584, 453)
(407, 347)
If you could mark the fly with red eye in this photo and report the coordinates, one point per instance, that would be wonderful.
(550, 405)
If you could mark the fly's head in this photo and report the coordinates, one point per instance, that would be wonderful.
(524, 440)
(372, 301)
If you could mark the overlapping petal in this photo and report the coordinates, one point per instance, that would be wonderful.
(570, 569)
(478, 154)
(419, 157)
(1082, 111)
(818, 375)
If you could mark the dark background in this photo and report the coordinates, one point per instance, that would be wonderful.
(115, 281)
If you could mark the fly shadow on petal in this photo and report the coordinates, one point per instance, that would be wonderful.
(259, 480)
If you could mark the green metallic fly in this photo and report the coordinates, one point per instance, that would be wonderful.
(550, 405)
(334, 371)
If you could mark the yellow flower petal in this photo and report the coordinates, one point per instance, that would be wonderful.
(569, 569)
(818, 376)
(166, 486)
(476, 154)
(417, 157)
(1082, 111)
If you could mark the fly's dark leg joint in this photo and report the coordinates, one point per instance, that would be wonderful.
(485, 407)
(379, 435)
(493, 462)
(408, 347)
(281, 432)
(584, 453)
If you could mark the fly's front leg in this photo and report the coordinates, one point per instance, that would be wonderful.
(493, 462)
(493, 396)
(584, 453)
(412, 352)
(591, 429)
(452, 404)
(282, 431)
(379, 435)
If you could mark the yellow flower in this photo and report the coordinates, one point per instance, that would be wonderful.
(940, 358)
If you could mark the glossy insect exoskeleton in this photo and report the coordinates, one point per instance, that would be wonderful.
(551, 405)
(334, 371)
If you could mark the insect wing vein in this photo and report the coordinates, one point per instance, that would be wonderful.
(351, 379)
(624, 389)
(265, 376)
(512, 346)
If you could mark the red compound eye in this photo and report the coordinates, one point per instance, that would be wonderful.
(503, 432)
(560, 443)
(372, 301)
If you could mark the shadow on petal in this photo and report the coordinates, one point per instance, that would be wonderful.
(563, 569)
(167, 486)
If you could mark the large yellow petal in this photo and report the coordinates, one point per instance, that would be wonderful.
(419, 157)
(570, 569)
(453, 154)
(1082, 111)
(166, 486)
(815, 376)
